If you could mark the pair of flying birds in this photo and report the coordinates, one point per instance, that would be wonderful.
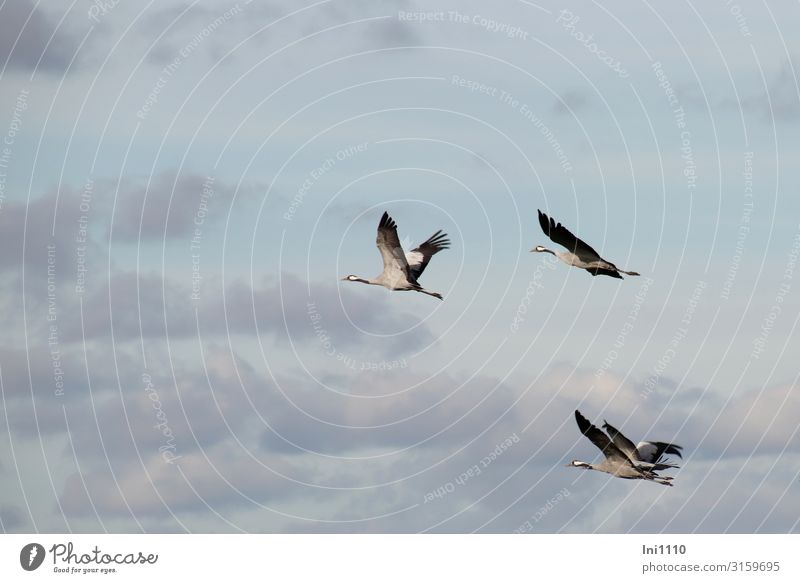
(401, 270)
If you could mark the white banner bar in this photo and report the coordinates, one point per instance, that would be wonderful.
(400, 558)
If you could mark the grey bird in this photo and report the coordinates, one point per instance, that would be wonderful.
(578, 253)
(401, 270)
(623, 459)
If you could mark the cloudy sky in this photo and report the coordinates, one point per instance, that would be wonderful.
(183, 184)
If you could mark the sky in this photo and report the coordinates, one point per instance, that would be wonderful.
(184, 184)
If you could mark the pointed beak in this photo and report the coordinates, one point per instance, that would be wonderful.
(343, 279)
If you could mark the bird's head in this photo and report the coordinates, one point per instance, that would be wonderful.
(538, 249)
(578, 464)
(354, 278)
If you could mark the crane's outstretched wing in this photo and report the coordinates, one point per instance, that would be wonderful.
(559, 234)
(389, 245)
(418, 258)
(609, 272)
(600, 439)
(622, 442)
(652, 451)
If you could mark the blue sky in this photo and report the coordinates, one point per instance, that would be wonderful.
(229, 163)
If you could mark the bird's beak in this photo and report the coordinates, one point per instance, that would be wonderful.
(343, 279)
(532, 250)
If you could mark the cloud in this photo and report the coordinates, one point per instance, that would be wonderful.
(11, 518)
(156, 411)
(30, 40)
(569, 101)
(49, 225)
(188, 30)
(780, 101)
(213, 479)
(440, 412)
(783, 97)
(152, 306)
(756, 422)
(44, 384)
(381, 448)
(170, 207)
(194, 27)
(43, 234)
(190, 435)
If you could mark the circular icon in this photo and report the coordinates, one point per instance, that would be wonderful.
(31, 556)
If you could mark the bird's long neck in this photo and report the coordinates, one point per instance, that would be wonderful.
(367, 281)
(546, 250)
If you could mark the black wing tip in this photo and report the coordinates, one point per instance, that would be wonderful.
(548, 224)
(442, 243)
(583, 423)
(668, 448)
(387, 222)
(674, 450)
(544, 223)
(438, 241)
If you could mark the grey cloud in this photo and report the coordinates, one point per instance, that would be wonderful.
(440, 413)
(168, 207)
(783, 93)
(30, 40)
(11, 518)
(529, 472)
(190, 422)
(47, 227)
(779, 103)
(167, 210)
(758, 421)
(232, 20)
(570, 101)
(384, 33)
(151, 306)
(197, 481)
(184, 414)
(35, 406)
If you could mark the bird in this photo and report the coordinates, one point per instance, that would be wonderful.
(401, 271)
(623, 459)
(579, 254)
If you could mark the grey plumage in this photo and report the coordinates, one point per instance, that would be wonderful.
(622, 458)
(647, 453)
(401, 271)
(578, 253)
